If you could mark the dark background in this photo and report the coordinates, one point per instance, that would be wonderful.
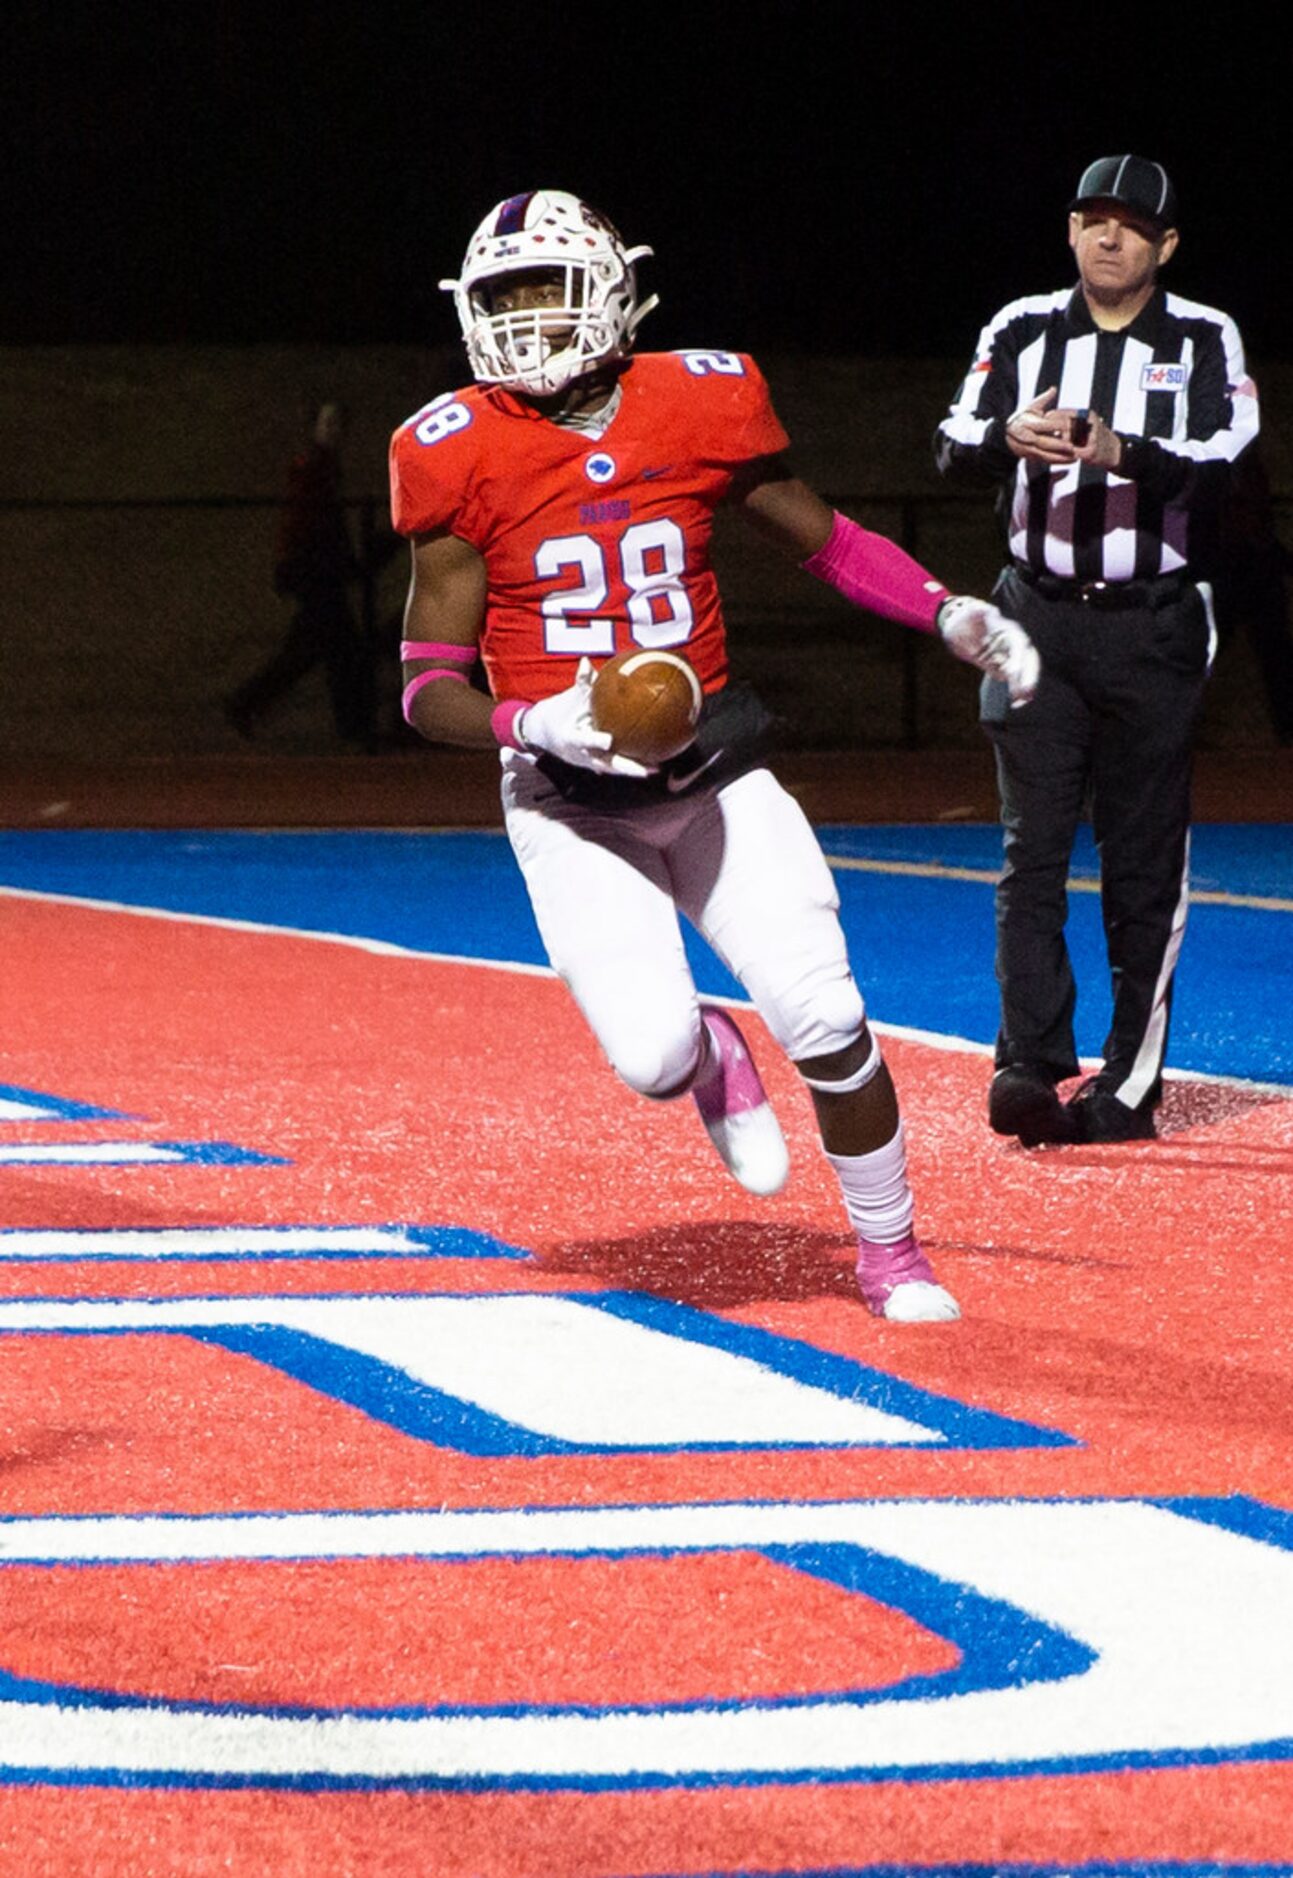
(212, 210)
(814, 178)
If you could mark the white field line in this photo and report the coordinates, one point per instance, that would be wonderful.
(1077, 883)
(386, 948)
(381, 948)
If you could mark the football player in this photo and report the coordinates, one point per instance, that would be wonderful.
(560, 511)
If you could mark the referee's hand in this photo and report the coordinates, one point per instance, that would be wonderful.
(1040, 433)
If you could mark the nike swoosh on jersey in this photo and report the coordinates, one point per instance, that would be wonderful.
(674, 783)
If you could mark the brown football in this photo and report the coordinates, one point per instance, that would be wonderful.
(649, 702)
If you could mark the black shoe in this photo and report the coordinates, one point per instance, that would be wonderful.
(1098, 1115)
(1022, 1101)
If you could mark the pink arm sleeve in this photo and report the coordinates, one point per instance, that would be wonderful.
(874, 572)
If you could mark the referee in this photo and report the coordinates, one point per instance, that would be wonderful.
(1110, 415)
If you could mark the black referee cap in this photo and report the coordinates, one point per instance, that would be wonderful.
(1132, 180)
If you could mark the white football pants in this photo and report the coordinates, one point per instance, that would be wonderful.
(741, 862)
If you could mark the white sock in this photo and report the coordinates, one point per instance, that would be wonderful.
(877, 1197)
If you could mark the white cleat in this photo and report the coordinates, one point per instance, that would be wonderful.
(737, 1114)
(917, 1303)
(752, 1148)
(897, 1283)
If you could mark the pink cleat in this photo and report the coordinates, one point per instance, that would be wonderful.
(736, 1111)
(897, 1282)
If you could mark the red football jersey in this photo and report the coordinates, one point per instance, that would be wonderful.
(590, 546)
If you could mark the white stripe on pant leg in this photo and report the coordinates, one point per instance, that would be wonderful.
(1214, 637)
(1149, 1057)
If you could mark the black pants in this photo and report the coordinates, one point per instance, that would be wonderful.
(1113, 722)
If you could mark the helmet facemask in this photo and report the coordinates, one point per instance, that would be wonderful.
(591, 317)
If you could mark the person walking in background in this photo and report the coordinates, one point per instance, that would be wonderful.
(315, 564)
(1111, 415)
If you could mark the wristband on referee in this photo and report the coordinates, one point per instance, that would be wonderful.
(506, 721)
(1134, 455)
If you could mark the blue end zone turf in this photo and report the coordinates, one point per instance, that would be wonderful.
(921, 946)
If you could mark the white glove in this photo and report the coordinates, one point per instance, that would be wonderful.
(563, 727)
(980, 633)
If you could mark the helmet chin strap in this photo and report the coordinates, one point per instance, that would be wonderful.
(542, 352)
(534, 349)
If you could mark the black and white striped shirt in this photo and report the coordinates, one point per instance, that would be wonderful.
(1173, 384)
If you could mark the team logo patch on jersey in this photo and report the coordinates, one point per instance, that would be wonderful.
(1161, 377)
(599, 467)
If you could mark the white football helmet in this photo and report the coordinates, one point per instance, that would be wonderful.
(542, 350)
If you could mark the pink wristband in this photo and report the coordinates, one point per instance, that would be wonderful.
(874, 572)
(503, 721)
(415, 685)
(432, 649)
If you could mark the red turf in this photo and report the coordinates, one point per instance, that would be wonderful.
(1108, 1292)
